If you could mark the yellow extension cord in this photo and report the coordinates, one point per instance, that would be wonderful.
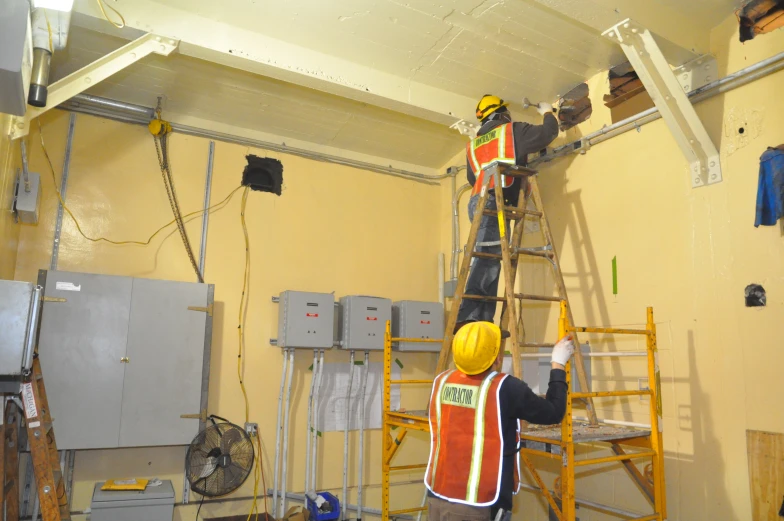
(103, 11)
(104, 239)
(244, 300)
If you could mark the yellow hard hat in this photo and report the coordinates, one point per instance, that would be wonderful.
(476, 346)
(487, 105)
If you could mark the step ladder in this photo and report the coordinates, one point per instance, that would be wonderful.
(43, 451)
(511, 251)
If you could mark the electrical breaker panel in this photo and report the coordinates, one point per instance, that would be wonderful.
(413, 319)
(364, 322)
(306, 320)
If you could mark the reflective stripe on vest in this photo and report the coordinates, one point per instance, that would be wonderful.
(466, 440)
(494, 146)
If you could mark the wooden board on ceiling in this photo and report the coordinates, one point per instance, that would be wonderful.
(766, 473)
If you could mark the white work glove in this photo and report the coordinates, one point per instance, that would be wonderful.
(563, 350)
(543, 108)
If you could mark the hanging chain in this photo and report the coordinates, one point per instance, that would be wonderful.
(162, 149)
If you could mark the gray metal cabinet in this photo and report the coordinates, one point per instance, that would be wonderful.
(123, 358)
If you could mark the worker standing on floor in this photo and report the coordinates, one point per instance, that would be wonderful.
(473, 469)
(502, 140)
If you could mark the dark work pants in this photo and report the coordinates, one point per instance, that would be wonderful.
(484, 274)
(442, 510)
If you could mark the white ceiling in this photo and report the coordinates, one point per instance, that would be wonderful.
(380, 77)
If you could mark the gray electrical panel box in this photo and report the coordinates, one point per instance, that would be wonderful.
(306, 320)
(413, 319)
(16, 56)
(19, 307)
(364, 321)
(26, 203)
(536, 372)
(150, 504)
(124, 358)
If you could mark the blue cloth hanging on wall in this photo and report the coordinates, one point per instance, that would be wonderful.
(770, 190)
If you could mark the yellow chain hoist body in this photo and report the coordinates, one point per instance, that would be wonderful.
(159, 127)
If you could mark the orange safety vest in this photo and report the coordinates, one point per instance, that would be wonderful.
(466, 444)
(496, 145)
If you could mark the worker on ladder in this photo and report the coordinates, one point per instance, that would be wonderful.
(473, 470)
(502, 140)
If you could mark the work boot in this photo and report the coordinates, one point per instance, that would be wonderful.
(461, 324)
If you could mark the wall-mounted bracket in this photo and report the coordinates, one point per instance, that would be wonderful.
(697, 73)
(81, 80)
(670, 98)
(465, 128)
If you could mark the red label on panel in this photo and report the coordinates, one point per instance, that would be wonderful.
(311, 315)
(427, 322)
(372, 318)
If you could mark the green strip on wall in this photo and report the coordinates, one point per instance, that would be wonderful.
(615, 275)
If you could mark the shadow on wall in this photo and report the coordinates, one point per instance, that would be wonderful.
(702, 475)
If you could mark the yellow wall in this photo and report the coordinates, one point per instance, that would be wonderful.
(334, 229)
(689, 253)
(9, 230)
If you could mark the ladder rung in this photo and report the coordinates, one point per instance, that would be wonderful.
(8, 487)
(532, 344)
(543, 254)
(514, 213)
(542, 298)
(516, 295)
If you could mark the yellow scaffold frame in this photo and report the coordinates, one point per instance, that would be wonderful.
(557, 444)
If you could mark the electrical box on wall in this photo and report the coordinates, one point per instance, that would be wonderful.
(306, 320)
(413, 319)
(16, 56)
(27, 198)
(364, 321)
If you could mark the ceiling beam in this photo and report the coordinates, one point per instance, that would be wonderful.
(681, 37)
(253, 52)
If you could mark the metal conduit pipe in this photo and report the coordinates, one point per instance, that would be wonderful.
(135, 114)
(279, 424)
(25, 170)
(362, 389)
(344, 497)
(456, 230)
(590, 504)
(286, 422)
(725, 84)
(310, 420)
(110, 104)
(314, 451)
(614, 354)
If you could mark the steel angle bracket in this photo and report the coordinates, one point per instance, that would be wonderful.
(668, 94)
(81, 80)
(465, 128)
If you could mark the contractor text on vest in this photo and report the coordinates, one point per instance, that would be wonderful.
(460, 395)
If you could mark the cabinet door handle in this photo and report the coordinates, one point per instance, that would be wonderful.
(125, 360)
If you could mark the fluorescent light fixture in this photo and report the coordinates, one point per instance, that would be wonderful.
(57, 5)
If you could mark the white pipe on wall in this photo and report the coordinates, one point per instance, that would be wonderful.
(344, 498)
(286, 421)
(310, 420)
(276, 470)
(314, 452)
(363, 387)
(456, 250)
(441, 258)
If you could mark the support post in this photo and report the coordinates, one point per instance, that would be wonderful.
(667, 93)
(654, 378)
(567, 440)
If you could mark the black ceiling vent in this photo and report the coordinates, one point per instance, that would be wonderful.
(263, 174)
